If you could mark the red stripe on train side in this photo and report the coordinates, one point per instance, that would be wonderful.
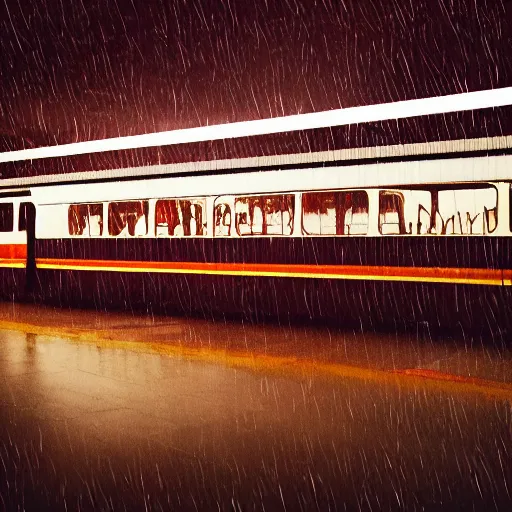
(13, 251)
(494, 277)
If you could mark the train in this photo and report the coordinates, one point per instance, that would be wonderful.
(370, 244)
(393, 237)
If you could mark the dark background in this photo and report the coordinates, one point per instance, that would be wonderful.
(80, 70)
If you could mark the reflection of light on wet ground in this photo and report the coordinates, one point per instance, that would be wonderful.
(226, 417)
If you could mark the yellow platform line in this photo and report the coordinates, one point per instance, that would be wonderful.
(409, 379)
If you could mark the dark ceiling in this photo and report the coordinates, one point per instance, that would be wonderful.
(81, 70)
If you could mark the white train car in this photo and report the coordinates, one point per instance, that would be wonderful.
(388, 236)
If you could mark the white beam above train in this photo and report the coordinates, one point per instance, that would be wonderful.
(344, 116)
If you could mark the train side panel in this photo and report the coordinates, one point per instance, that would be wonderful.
(441, 282)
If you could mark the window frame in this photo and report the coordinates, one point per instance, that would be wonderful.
(282, 195)
(304, 232)
(10, 217)
(194, 200)
(216, 206)
(474, 187)
(402, 228)
(88, 235)
(435, 189)
(145, 210)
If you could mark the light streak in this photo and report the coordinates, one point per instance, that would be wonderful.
(340, 117)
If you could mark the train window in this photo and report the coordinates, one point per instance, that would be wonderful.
(22, 217)
(418, 211)
(335, 213)
(222, 216)
(128, 218)
(319, 213)
(391, 213)
(471, 211)
(180, 217)
(6, 217)
(85, 219)
(414, 205)
(265, 215)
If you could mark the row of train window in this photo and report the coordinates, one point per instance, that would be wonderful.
(454, 210)
(413, 211)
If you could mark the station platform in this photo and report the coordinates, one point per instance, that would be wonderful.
(112, 411)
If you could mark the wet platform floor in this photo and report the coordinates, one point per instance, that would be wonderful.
(104, 411)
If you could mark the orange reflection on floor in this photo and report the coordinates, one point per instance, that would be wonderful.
(281, 364)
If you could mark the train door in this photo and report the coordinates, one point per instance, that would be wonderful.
(17, 258)
(27, 224)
